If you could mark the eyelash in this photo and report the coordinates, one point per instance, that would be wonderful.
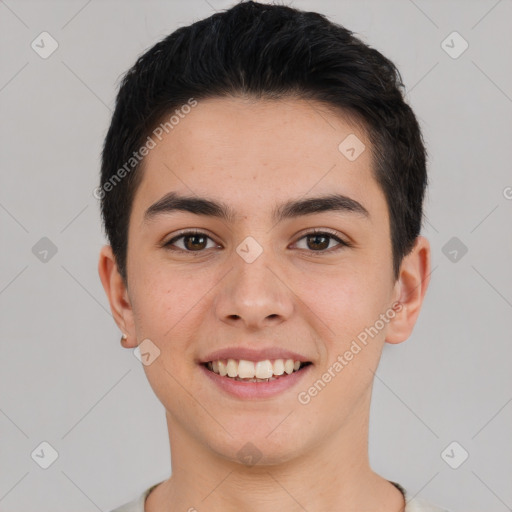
(329, 233)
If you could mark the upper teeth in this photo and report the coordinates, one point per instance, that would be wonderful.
(248, 369)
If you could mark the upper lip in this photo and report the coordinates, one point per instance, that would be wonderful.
(251, 354)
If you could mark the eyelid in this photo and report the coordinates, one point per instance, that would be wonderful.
(187, 231)
(328, 231)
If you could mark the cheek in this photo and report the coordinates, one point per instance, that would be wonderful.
(167, 310)
(164, 300)
(346, 301)
(349, 305)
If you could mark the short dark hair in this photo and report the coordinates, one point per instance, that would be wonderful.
(267, 52)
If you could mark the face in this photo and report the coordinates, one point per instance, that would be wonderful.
(266, 275)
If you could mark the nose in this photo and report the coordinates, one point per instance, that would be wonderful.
(254, 295)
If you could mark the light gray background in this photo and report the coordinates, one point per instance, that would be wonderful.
(64, 377)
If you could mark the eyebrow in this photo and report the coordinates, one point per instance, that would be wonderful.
(173, 202)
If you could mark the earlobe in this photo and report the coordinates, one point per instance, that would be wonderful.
(117, 294)
(411, 286)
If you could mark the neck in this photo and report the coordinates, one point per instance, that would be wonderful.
(332, 475)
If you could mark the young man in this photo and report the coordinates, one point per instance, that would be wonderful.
(262, 187)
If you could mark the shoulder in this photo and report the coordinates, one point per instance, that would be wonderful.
(136, 505)
(414, 504)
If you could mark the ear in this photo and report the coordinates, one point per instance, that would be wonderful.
(410, 288)
(117, 294)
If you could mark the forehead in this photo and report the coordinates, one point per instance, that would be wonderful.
(239, 149)
(271, 130)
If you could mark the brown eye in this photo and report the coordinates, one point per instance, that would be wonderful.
(319, 241)
(191, 241)
(195, 242)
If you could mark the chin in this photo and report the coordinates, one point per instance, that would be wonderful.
(252, 447)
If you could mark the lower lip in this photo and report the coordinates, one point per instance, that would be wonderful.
(254, 390)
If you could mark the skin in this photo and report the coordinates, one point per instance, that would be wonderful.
(252, 155)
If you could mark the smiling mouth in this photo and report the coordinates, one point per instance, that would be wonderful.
(255, 371)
